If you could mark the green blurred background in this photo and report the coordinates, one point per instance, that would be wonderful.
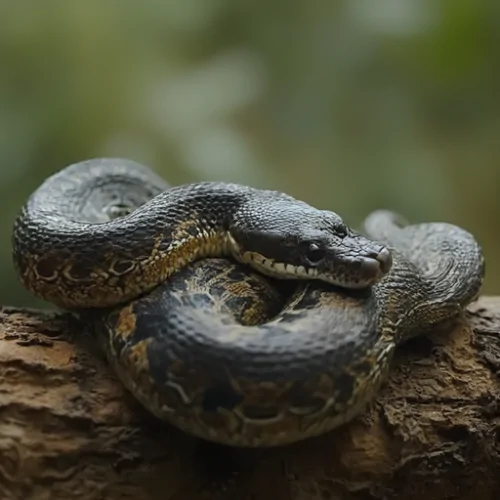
(350, 105)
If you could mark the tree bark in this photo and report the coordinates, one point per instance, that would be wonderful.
(68, 430)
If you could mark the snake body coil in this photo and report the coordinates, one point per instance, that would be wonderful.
(213, 347)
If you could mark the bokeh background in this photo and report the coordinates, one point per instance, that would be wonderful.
(350, 105)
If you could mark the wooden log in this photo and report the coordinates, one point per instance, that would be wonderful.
(68, 430)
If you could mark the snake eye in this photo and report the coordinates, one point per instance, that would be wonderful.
(315, 254)
(342, 231)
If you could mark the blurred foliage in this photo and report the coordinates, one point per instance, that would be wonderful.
(350, 105)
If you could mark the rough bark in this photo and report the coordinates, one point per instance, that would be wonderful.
(69, 431)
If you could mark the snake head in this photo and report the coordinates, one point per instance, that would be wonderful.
(302, 242)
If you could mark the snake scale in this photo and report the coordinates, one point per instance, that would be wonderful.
(242, 316)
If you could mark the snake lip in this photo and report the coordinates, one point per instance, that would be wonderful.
(384, 258)
(376, 266)
(371, 270)
(350, 268)
(361, 271)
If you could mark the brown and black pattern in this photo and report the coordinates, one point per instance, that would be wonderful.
(219, 349)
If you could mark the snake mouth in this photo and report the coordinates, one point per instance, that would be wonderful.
(354, 271)
(277, 269)
(350, 273)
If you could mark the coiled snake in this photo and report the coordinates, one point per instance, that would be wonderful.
(222, 348)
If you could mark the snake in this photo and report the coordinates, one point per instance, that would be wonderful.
(239, 315)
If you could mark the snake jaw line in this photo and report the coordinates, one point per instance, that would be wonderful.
(268, 266)
(282, 270)
(348, 271)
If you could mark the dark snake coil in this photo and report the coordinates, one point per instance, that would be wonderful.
(287, 339)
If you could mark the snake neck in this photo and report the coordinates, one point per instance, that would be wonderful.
(207, 244)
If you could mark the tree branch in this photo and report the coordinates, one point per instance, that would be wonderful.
(68, 430)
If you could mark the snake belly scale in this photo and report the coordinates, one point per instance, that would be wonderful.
(242, 316)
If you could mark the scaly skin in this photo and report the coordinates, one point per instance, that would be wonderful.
(216, 350)
(70, 250)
